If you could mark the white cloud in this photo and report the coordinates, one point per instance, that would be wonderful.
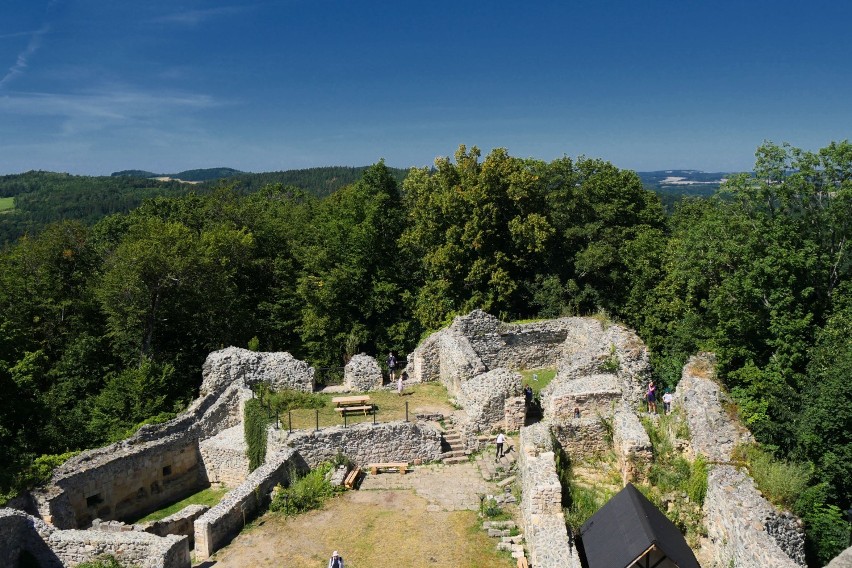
(23, 58)
(195, 17)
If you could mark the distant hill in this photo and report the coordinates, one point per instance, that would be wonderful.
(674, 185)
(43, 197)
(206, 174)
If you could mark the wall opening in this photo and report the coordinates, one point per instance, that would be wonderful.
(94, 500)
(167, 471)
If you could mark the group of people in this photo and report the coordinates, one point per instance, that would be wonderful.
(651, 398)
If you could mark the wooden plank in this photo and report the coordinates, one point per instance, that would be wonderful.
(350, 400)
(401, 466)
(343, 409)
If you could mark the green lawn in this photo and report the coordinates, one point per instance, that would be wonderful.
(7, 204)
(388, 404)
(538, 378)
(210, 497)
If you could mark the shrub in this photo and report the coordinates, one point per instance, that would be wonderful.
(782, 482)
(255, 423)
(289, 399)
(105, 561)
(305, 492)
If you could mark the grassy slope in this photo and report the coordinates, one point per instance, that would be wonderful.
(7, 204)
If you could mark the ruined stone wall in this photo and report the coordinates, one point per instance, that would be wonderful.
(51, 547)
(225, 457)
(21, 533)
(632, 446)
(362, 373)
(593, 395)
(181, 523)
(714, 432)
(130, 548)
(135, 480)
(541, 501)
(742, 526)
(842, 560)
(745, 529)
(483, 398)
(215, 528)
(363, 443)
(234, 365)
(514, 413)
(582, 437)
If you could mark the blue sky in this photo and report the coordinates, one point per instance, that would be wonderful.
(95, 86)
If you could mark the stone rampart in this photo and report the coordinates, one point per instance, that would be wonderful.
(632, 445)
(181, 523)
(842, 560)
(363, 443)
(483, 398)
(592, 395)
(158, 465)
(22, 535)
(217, 526)
(745, 530)
(362, 373)
(130, 548)
(714, 433)
(541, 501)
(514, 413)
(582, 437)
(278, 370)
(225, 457)
(742, 526)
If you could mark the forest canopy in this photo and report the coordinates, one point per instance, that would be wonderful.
(104, 325)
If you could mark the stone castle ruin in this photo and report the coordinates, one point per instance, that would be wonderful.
(601, 372)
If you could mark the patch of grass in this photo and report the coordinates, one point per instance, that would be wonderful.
(389, 406)
(7, 204)
(675, 485)
(105, 561)
(369, 528)
(210, 497)
(782, 482)
(537, 379)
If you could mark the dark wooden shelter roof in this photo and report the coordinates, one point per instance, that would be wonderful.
(626, 527)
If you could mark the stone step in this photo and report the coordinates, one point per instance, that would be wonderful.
(453, 454)
(460, 459)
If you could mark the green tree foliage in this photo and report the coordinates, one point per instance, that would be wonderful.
(509, 235)
(255, 421)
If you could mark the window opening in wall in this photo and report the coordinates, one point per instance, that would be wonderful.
(94, 500)
(167, 470)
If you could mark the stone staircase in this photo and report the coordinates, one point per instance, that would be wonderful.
(453, 448)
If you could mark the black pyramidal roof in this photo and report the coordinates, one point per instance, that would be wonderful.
(626, 527)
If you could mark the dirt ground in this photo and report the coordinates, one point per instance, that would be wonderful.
(369, 529)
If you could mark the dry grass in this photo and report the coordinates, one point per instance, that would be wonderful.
(423, 397)
(369, 528)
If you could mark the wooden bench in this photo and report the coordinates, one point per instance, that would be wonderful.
(352, 478)
(343, 409)
(356, 403)
(375, 467)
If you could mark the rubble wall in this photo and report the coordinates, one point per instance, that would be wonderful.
(218, 525)
(363, 443)
(541, 501)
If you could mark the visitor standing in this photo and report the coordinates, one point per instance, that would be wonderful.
(500, 440)
(651, 397)
(528, 395)
(399, 384)
(667, 402)
(392, 366)
(336, 560)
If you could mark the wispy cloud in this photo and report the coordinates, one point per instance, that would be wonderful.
(24, 57)
(96, 111)
(195, 17)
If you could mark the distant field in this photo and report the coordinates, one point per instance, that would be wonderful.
(6, 204)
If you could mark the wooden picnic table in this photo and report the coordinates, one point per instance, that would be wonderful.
(344, 404)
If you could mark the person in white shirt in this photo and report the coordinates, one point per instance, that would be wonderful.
(500, 440)
(667, 402)
(336, 560)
